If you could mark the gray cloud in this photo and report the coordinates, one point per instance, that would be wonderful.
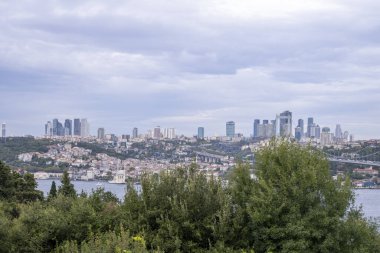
(188, 63)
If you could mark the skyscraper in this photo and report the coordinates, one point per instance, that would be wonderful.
(55, 127)
(201, 133)
(68, 127)
(298, 133)
(77, 127)
(157, 132)
(230, 129)
(256, 124)
(310, 123)
(48, 129)
(101, 133)
(3, 131)
(135, 133)
(286, 124)
(338, 132)
(325, 136)
(84, 128)
(301, 125)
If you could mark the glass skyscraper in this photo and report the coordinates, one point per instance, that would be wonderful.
(230, 129)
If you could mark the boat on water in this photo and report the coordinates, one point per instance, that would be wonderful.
(99, 185)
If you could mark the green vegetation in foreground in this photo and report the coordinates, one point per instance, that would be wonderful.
(293, 206)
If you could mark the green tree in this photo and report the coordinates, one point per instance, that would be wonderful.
(53, 191)
(66, 188)
(296, 206)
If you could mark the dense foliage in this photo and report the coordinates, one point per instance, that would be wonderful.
(292, 206)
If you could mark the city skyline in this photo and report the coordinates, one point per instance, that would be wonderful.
(126, 64)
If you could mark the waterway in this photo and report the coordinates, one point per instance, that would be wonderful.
(368, 199)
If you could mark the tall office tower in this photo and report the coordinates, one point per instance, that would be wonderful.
(60, 129)
(77, 127)
(351, 138)
(230, 129)
(101, 133)
(301, 125)
(84, 128)
(48, 129)
(338, 132)
(55, 127)
(310, 123)
(298, 133)
(346, 136)
(68, 127)
(277, 127)
(286, 124)
(201, 133)
(3, 131)
(325, 136)
(170, 133)
(256, 124)
(135, 133)
(317, 132)
(157, 132)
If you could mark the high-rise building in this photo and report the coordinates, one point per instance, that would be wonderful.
(286, 124)
(169, 133)
(68, 127)
(55, 127)
(298, 133)
(60, 129)
(302, 126)
(101, 133)
(84, 128)
(256, 124)
(338, 132)
(135, 133)
(326, 136)
(48, 129)
(230, 129)
(3, 131)
(157, 132)
(201, 133)
(77, 127)
(310, 123)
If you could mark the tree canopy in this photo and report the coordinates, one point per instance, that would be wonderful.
(292, 205)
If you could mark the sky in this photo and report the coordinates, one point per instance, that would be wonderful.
(189, 63)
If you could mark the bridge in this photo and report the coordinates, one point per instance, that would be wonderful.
(361, 162)
(372, 159)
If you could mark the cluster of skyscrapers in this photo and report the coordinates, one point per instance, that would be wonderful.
(280, 126)
(78, 127)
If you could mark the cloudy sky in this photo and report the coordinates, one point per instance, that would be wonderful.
(189, 63)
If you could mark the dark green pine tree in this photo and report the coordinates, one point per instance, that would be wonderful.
(53, 191)
(67, 188)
